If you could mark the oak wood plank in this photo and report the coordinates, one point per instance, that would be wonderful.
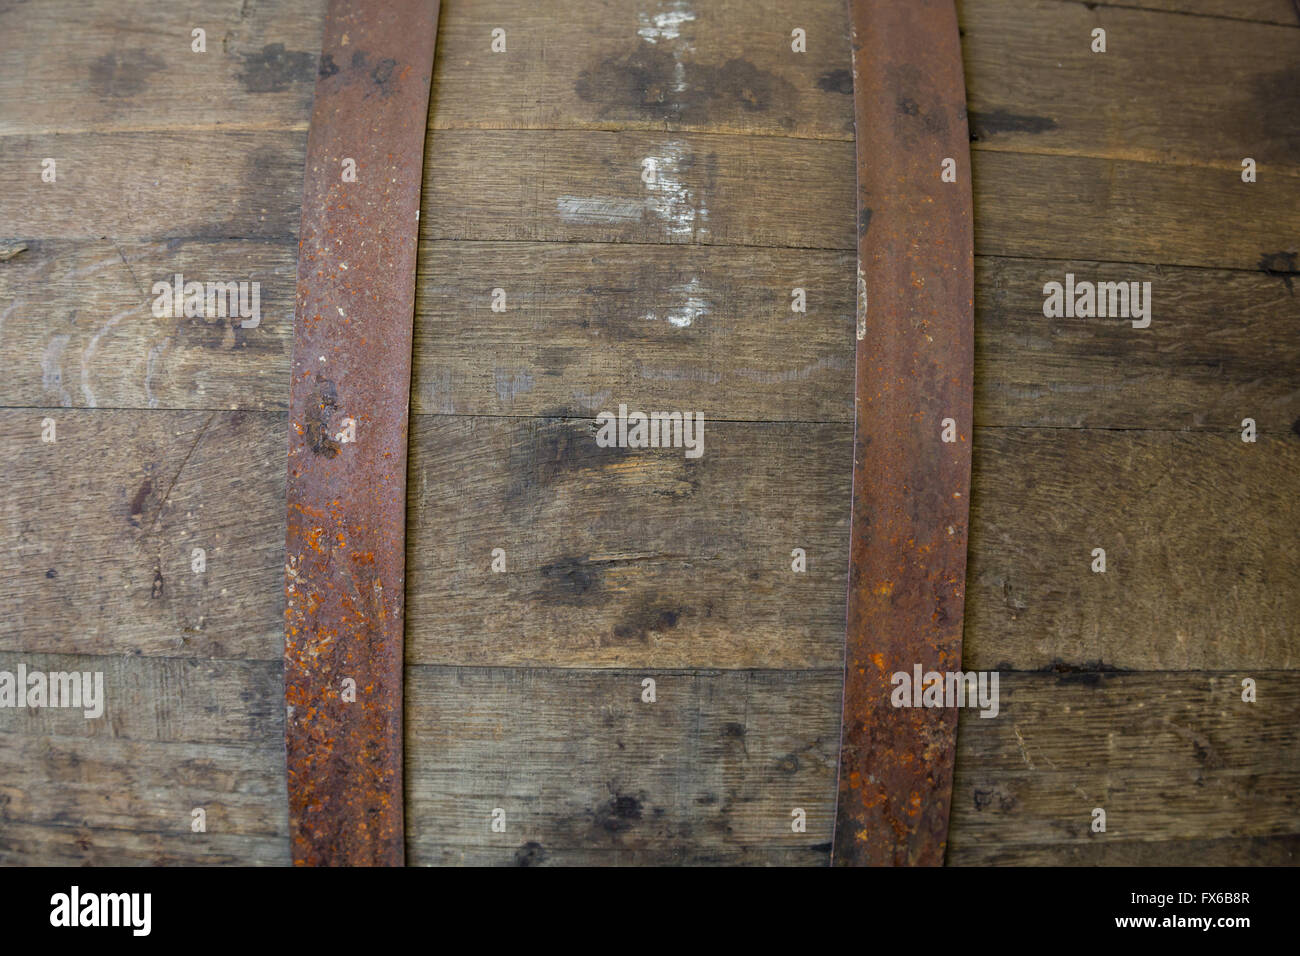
(588, 186)
(1199, 562)
(128, 785)
(233, 703)
(31, 844)
(1168, 756)
(578, 762)
(705, 327)
(709, 327)
(80, 329)
(717, 190)
(207, 183)
(1168, 90)
(1221, 346)
(726, 66)
(98, 532)
(1227, 851)
(620, 557)
(1053, 207)
(128, 64)
(617, 557)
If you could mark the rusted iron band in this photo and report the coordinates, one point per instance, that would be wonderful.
(348, 402)
(915, 353)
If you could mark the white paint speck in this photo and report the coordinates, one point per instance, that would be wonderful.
(598, 209)
(666, 25)
(670, 198)
(694, 305)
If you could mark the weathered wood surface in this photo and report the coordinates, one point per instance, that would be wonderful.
(105, 65)
(99, 530)
(1123, 166)
(653, 559)
(715, 190)
(588, 773)
(722, 67)
(701, 326)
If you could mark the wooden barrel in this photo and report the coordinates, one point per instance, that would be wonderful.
(656, 676)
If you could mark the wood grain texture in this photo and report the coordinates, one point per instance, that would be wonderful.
(25, 844)
(1228, 851)
(80, 331)
(175, 735)
(1120, 211)
(588, 773)
(714, 190)
(167, 184)
(1200, 562)
(1168, 756)
(708, 328)
(724, 66)
(616, 558)
(578, 762)
(705, 327)
(129, 64)
(1171, 90)
(1281, 12)
(587, 186)
(99, 528)
(1222, 346)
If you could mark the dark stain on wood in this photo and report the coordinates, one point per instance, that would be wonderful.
(137, 503)
(1281, 265)
(652, 82)
(836, 81)
(571, 580)
(531, 853)
(620, 813)
(986, 124)
(114, 77)
(543, 451)
(649, 617)
(1275, 100)
(1089, 673)
(273, 69)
